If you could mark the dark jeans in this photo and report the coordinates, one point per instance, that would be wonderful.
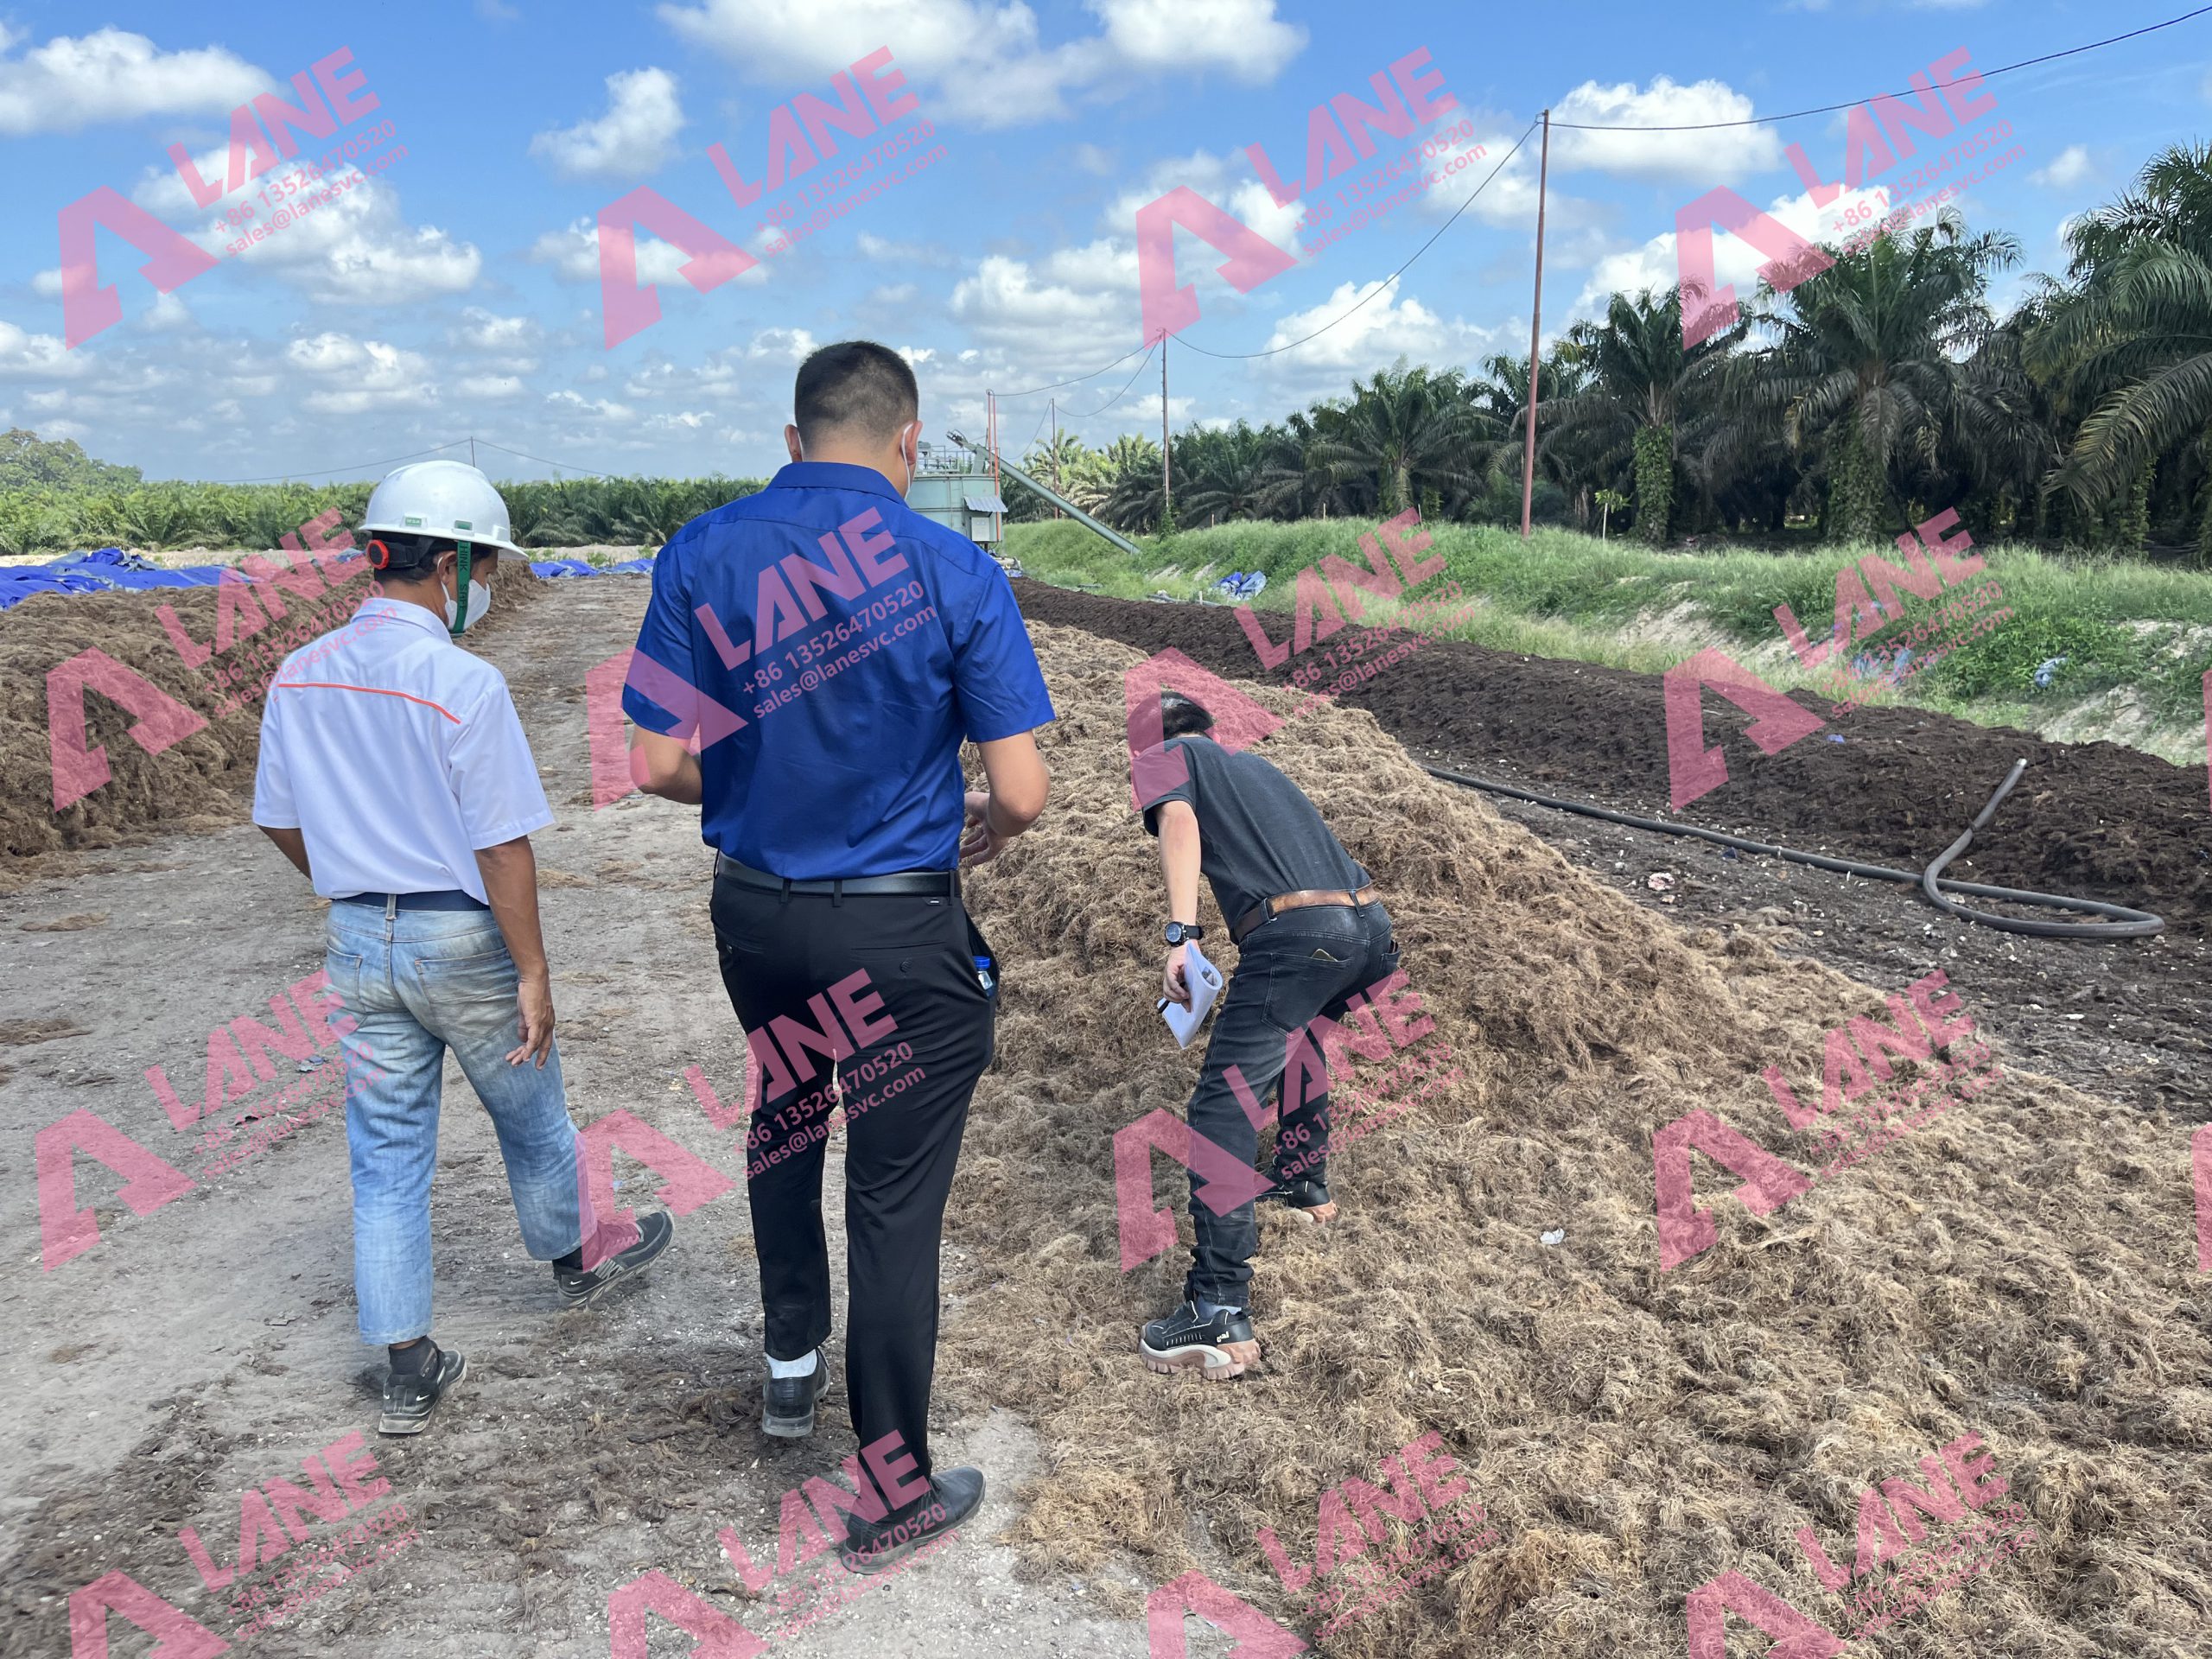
(779, 957)
(1303, 964)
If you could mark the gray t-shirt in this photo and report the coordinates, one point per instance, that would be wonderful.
(1258, 835)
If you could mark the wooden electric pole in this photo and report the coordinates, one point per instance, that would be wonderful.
(1166, 484)
(1535, 332)
(1057, 490)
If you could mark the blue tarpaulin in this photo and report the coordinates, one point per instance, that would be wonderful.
(110, 567)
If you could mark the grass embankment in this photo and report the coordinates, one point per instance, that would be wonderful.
(2137, 638)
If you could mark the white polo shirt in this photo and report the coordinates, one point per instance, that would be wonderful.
(396, 754)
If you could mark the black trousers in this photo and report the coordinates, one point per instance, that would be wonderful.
(1303, 964)
(781, 956)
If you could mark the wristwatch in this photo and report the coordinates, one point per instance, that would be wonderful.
(1179, 931)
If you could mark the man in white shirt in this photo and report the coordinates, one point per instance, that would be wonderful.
(394, 774)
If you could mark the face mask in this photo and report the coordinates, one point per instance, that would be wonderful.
(479, 600)
(908, 465)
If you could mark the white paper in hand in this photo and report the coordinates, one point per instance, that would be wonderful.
(1204, 982)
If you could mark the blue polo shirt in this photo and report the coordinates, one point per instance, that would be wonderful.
(827, 649)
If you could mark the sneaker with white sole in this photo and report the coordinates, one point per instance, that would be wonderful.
(1218, 1348)
(579, 1288)
(408, 1400)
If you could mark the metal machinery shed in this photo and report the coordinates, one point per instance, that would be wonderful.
(947, 490)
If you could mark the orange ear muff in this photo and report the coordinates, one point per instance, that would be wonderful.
(379, 554)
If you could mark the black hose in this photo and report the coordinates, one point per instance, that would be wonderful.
(2130, 925)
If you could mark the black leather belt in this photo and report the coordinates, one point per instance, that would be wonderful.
(930, 883)
(448, 899)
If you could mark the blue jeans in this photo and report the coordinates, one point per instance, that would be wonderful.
(416, 984)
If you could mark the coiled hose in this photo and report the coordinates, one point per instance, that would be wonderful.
(2129, 924)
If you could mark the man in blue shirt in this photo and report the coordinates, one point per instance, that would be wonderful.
(812, 659)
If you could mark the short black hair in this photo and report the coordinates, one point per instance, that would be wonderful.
(1181, 717)
(854, 385)
(411, 557)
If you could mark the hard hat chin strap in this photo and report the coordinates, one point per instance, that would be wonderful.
(461, 601)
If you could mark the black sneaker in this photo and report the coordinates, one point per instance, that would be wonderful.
(1303, 1195)
(788, 1409)
(1183, 1340)
(871, 1546)
(408, 1400)
(580, 1289)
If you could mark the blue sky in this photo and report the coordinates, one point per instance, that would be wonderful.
(456, 291)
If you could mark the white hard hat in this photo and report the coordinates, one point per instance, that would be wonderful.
(446, 499)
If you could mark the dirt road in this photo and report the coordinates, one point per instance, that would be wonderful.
(204, 1349)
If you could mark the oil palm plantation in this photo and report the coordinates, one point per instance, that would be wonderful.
(1863, 363)
(1642, 385)
(2131, 337)
(1408, 429)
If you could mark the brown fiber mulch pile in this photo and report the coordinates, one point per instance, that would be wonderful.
(2019, 1267)
(204, 779)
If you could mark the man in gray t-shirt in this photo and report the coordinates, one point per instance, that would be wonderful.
(1312, 936)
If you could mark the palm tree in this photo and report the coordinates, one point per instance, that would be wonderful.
(1406, 428)
(1643, 383)
(2133, 335)
(1862, 361)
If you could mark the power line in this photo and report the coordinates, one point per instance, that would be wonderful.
(289, 478)
(1829, 108)
(1055, 384)
(1124, 391)
(589, 472)
(1393, 277)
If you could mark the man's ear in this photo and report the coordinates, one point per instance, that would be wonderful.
(791, 443)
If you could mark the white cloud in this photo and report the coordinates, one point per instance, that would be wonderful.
(1390, 325)
(1715, 155)
(1077, 309)
(490, 388)
(41, 356)
(574, 255)
(352, 375)
(488, 332)
(1092, 159)
(2072, 167)
(983, 64)
(1242, 36)
(357, 250)
(871, 246)
(599, 409)
(635, 136)
(70, 84)
(1230, 186)
(1735, 262)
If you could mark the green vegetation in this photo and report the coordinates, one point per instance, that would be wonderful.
(28, 461)
(1872, 395)
(2137, 638)
(65, 514)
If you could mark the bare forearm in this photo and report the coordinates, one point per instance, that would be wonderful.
(293, 845)
(665, 767)
(1179, 863)
(510, 872)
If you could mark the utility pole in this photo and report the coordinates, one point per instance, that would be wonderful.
(991, 424)
(1166, 484)
(472, 448)
(1057, 490)
(1535, 332)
